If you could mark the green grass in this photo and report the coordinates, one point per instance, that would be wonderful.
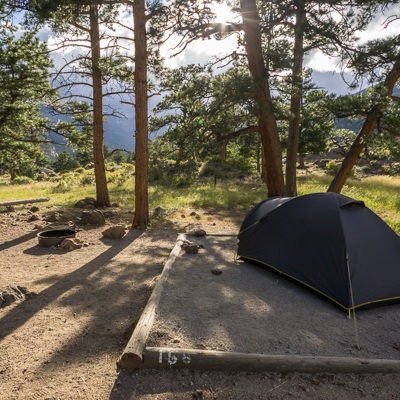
(380, 193)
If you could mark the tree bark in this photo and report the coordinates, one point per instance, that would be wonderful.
(141, 219)
(301, 160)
(224, 152)
(365, 132)
(102, 197)
(266, 119)
(264, 176)
(295, 101)
(258, 158)
(180, 155)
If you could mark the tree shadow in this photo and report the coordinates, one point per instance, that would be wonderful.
(18, 240)
(9, 323)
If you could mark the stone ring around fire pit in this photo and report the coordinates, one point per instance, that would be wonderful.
(54, 237)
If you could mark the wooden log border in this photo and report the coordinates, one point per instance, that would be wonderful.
(27, 201)
(134, 350)
(172, 358)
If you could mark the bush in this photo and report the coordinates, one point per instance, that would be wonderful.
(79, 170)
(61, 187)
(87, 179)
(332, 167)
(21, 180)
(41, 177)
(155, 174)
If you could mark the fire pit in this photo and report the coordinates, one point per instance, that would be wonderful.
(54, 237)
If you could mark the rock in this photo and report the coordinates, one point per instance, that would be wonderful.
(38, 226)
(90, 200)
(108, 214)
(321, 163)
(53, 217)
(89, 207)
(115, 231)
(71, 243)
(200, 233)
(160, 211)
(362, 161)
(190, 248)
(9, 296)
(33, 217)
(34, 209)
(216, 271)
(115, 205)
(80, 204)
(95, 217)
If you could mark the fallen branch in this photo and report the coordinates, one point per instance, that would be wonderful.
(27, 201)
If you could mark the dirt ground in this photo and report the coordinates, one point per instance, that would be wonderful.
(63, 343)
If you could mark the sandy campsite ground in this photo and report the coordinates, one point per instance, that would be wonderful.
(63, 343)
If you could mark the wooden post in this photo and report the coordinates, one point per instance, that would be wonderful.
(194, 359)
(135, 347)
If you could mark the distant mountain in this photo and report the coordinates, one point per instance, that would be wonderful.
(118, 132)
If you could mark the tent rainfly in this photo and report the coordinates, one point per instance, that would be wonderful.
(328, 242)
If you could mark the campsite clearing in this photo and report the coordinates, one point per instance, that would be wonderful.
(64, 343)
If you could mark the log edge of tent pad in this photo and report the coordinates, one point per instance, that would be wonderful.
(172, 358)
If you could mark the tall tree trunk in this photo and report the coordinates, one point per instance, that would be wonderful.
(295, 101)
(258, 157)
(301, 160)
(266, 118)
(365, 132)
(141, 219)
(224, 152)
(264, 175)
(102, 197)
(180, 155)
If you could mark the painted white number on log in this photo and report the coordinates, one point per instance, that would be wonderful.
(172, 359)
(186, 358)
(160, 357)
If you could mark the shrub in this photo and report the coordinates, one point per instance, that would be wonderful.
(155, 174)
(332, 167)
(79, 170)
(21, 180)
(42, 177)
(61, 187)
(87, 180)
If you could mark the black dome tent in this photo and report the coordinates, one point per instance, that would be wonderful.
(330, 243)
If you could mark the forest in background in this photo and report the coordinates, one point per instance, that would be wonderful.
(260, 113)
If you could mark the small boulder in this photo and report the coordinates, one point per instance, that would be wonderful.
(33, 217)
(90, 200)
(160, 211)
(95, 217)
(34, 209)
(80, 204)
(190, 248)
(200, 233)
(216, 271)
(115, 231)
(115, 205)
(53, 217)
(71, 243)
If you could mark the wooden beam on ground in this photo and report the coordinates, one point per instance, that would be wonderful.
(155, 357)
(27, 201)
(134, 350)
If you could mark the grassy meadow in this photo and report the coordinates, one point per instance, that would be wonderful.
(380, 193)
